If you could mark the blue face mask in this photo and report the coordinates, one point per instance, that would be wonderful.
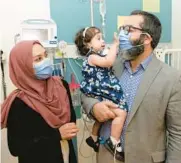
(43, 69)
(124, 41)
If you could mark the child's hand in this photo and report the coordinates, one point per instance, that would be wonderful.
(116, 39)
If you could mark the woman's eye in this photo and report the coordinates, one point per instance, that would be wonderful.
(38, 59)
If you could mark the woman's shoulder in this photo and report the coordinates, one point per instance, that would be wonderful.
(65, 83)
(18, 102)
(18, 108)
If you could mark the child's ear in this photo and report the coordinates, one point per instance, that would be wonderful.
(88, 45)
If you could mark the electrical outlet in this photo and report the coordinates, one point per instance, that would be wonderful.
(160, 54)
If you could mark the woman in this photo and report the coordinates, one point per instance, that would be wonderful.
(39, 115)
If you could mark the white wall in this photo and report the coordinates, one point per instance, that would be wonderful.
(12, 12)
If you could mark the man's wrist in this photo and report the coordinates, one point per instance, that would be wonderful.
(91, 113)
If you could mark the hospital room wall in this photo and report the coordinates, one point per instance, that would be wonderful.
(13, 12)
(176, 24)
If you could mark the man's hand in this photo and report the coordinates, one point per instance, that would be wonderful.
(102, 110)
(68, 131)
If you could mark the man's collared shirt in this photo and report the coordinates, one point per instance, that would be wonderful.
(129, 81)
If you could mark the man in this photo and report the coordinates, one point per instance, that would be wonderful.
(153, 93)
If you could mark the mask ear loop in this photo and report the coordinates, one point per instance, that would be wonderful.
(145, 33)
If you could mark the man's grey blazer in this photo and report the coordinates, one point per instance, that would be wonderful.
(155, 110)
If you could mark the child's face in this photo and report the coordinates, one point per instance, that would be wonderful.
(97, 42)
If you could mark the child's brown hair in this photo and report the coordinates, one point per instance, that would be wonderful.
(83, 37)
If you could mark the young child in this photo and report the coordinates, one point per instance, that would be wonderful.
(100, 82)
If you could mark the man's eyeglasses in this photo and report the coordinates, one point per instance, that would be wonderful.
(129, 28)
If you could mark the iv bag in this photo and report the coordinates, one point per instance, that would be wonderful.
(102, 8)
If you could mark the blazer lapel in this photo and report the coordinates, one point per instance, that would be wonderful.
(118, 67)
(149, 75)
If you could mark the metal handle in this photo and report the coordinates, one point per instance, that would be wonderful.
(38, 21)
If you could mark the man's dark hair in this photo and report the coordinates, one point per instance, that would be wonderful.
(151, 25)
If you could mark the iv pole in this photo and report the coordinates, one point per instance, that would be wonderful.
(92, 12)
(102, 10)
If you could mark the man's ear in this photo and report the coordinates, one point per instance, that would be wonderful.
(148, 39)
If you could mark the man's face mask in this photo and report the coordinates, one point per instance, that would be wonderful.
(43, 69)
(130, 50)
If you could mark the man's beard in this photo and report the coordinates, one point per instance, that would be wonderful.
(134, 52)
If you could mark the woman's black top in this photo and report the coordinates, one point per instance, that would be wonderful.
(31, 139)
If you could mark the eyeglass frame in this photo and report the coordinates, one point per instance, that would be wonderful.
(129, 27)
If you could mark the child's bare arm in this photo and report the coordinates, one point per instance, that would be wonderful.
(109, 59)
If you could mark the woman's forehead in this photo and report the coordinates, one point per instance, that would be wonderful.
(38, 49)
